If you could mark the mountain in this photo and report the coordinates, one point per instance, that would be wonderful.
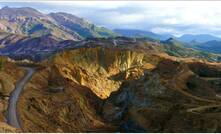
(136, 33)
(197, 38)
(176, 48)
(39, 48)
(140, 33)
(63, 74)
(213, 46)
(30, 22)
(13, 13)
(81, 26)
(32, 48)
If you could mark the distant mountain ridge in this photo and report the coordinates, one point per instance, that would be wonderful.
(30, 22)
(198, 38)
(142, 33)
(188, 38)
(81, 26)
(28, 33)
(213, 46)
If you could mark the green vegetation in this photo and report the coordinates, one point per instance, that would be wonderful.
(103, 32)
(178, 49)
(90, 30)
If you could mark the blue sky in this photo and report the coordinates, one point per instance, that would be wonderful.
(174, 17)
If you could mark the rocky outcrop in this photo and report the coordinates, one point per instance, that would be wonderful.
(101, 69)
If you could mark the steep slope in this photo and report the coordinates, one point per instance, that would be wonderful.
(81, 26)
(29, 21)
(21, 47)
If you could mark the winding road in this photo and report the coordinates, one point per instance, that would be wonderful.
(12, 115)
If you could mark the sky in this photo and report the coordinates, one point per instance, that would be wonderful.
(162, 17)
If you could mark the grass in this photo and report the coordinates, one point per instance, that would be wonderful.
(2, 62)
(176, 49)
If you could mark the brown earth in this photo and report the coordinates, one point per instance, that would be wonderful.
(9, 75)
(115, 90)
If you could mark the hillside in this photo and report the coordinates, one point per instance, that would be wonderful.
(176, 48)
(210, 46)
(117, 89)
(39, 48)
(81, 26)
(200, 38)
(30, 22)
(60, 73)
(142, 34)
(9, 75)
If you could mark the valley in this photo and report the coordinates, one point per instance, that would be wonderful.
(61, 73)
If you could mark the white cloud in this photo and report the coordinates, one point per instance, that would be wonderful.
(124, 19)
(90, 4)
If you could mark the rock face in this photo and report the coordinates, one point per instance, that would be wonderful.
(101, 69)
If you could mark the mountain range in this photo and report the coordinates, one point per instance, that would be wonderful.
(200, 38)
(202, 42)
(60, 26)
(142, 33)
(30, 22)
(213, 46)
(61, 73)
(30, 34)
